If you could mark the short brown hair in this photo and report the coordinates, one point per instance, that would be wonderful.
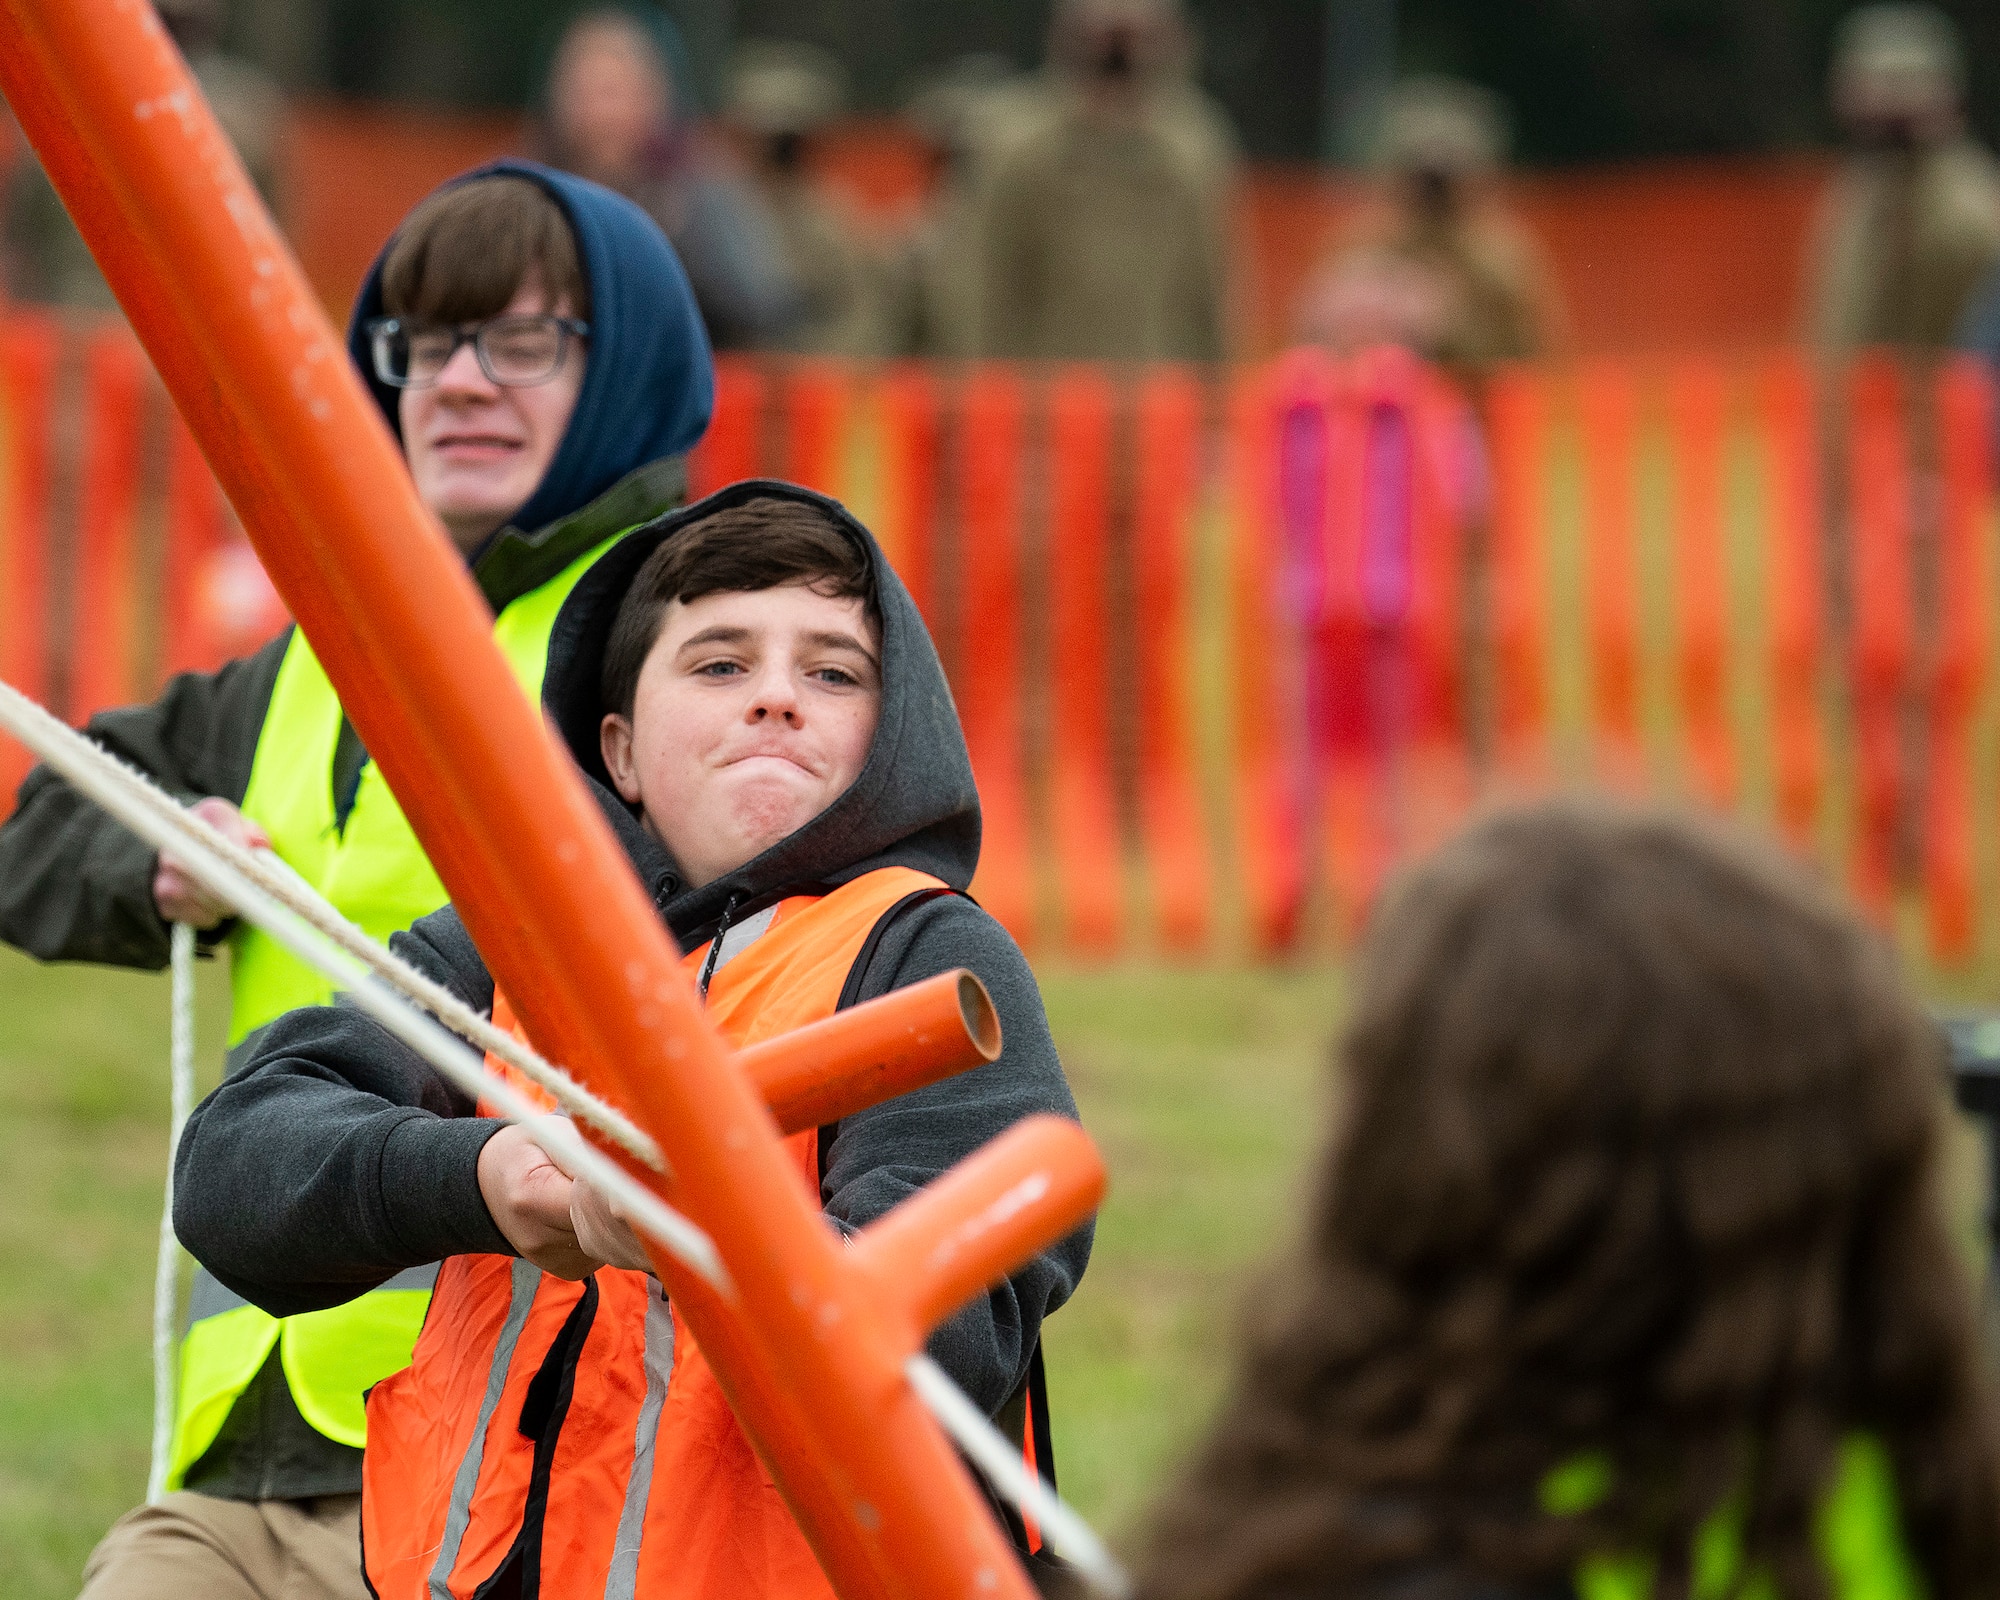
(465, 252)
(756, 544)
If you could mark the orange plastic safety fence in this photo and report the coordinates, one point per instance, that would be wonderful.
(1517, 417)
(1697, 403)
(1167, 465)
(1083, 811)
(1055, 528)
(1962, 654)
(912, 450)
(1795, 584)
(28, 351)
(105, 605)
(990, 684)
(1607, 401)
(1879, 503)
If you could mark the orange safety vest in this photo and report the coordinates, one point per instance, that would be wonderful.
(577, 1423)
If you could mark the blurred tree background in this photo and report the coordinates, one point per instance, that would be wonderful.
(1590, 80)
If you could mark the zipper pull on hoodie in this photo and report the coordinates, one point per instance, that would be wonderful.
(715, 946)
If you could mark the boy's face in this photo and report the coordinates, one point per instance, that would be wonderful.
(477, 450)
(754, 713)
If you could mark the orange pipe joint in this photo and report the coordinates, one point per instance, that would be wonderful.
(1036, 1183)
(875, 1051)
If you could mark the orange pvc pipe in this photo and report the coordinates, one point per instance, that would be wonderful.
(1608, 416)
(1034, 1185)
(1697, 411)
(1958, 680)
(1167, 482)
(1083, 813)
(732, 449)
(874, 1051)
(1879, 515)
(230, 321)
(1269, 848)
(1793, 514)
(29, 348)
(104, 617)
(1517, 425)
(991, 432)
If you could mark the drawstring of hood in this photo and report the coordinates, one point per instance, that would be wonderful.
(715, 946)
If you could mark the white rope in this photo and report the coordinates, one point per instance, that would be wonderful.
(275, 878)
(166, 1266)
(115, 787)
(240, 877)
(1000, 1459)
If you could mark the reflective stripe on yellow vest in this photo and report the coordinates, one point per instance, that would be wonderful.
(375, 874)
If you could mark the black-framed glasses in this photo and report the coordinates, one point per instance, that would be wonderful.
(516, 351)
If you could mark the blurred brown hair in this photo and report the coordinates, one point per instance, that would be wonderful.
(461, 255)
(1638, 1157)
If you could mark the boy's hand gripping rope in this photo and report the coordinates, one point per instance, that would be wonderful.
(293, 914)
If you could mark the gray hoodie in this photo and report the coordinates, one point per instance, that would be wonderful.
(336, 1158)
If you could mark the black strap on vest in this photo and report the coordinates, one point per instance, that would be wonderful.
(1032, 1397)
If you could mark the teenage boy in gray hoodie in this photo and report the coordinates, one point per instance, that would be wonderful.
(754, 699)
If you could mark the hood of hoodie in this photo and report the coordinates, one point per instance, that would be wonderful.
(650, 383)
(914, 803)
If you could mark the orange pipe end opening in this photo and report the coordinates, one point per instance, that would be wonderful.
(875, 1051)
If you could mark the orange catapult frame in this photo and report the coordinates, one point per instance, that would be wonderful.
(812, 1343)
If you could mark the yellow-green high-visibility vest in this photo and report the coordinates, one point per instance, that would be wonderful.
(1858, 1531)
(375, 873)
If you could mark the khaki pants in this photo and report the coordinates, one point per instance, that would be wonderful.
(196, 1547)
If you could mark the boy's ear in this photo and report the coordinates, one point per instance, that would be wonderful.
(614, 740)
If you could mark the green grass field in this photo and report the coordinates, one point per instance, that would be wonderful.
(1205, 1089)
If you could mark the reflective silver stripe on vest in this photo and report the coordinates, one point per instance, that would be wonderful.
(527, 1279)
(742, 935)
(623, 1581)
(211, 1298)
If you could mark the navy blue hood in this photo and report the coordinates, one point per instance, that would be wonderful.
(650, 385)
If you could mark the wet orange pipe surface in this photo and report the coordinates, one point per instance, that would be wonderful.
(267, 388)
(1039, 1179)
(871, 1052)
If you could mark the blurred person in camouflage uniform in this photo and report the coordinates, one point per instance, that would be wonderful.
(1909, 230)
(1436, 264)
(46, 258)
(782, 95)
(934, 268)
(1104, 228)
(1911, 226)
(611, 111)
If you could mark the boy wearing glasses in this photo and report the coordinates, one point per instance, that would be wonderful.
(532, 341)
